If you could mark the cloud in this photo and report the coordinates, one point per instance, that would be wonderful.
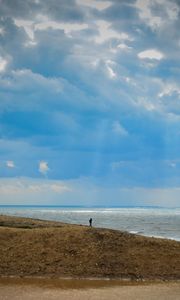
(42, 90)
(123, 47)
(62, 10)
(2, 32)
(119, 129)
(27, 25)
(109, 65)
(31, 27)
(146, 14)
(157, 13)
(43, 167)
(67, 27)
(10, 164)
(151, 54)
(85, 84)
(59, 188)
(106, 33)
(28, 191)
(3, 64)
(169, 89)
(99, 5)
(25, 191)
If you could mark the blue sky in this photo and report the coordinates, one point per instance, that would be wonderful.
(90, 102)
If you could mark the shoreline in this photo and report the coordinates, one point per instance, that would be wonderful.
(85, 225)
(33, 248)
(79, 282)
(101, 280)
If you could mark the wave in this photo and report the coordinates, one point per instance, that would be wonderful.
(162, 223)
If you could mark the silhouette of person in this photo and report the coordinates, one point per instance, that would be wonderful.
(90, 222)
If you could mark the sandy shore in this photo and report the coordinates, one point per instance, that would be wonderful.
(78, 289)
(52, 249)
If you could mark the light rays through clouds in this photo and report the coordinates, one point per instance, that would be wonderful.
(90, 99)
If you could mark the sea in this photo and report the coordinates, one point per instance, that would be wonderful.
(147, 221)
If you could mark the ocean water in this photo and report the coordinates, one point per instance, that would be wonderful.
(157, 222)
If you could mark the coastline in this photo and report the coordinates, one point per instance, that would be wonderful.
(144, 221)
(54, 260)
(80, 283)
(38, 248)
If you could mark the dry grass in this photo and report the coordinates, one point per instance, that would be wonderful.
(41, 248)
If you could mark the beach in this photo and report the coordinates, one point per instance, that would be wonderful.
(20, 289)
(24, 290)
(37, 256)
(145, 221)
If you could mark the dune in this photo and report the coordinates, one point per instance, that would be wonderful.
(36, 248)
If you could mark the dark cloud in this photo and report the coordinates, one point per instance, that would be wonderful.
(62, 10)
(29, 9)
(122, 11)
(19, 8)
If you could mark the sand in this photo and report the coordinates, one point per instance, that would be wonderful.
(36, 256)
(24, 290)
(51, 249)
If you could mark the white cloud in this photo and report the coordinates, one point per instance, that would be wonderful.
(111, 73)
(170, 7)
(149, 14)
(67, 27)
(10, 164)
(82, 191)
(100, 5)
(59, 188)
(119, 129)
(3, 64)
(30, 44)
(43, 23)
(146, 103)
(127, 79)
(43, 167)
(27, 25)
(43, 187)
(145, 14)
(26, 79)
(168, 90)
(2, 31)
(109, 66)
(124, 47)
(29, 186)
(106, 33)
(151, 54)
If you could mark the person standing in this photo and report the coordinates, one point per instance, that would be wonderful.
(90, 222)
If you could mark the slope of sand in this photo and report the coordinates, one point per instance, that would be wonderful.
(51, 249)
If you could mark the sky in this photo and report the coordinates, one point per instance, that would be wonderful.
(90, 102)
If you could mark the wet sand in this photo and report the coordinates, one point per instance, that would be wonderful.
(31, 289)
